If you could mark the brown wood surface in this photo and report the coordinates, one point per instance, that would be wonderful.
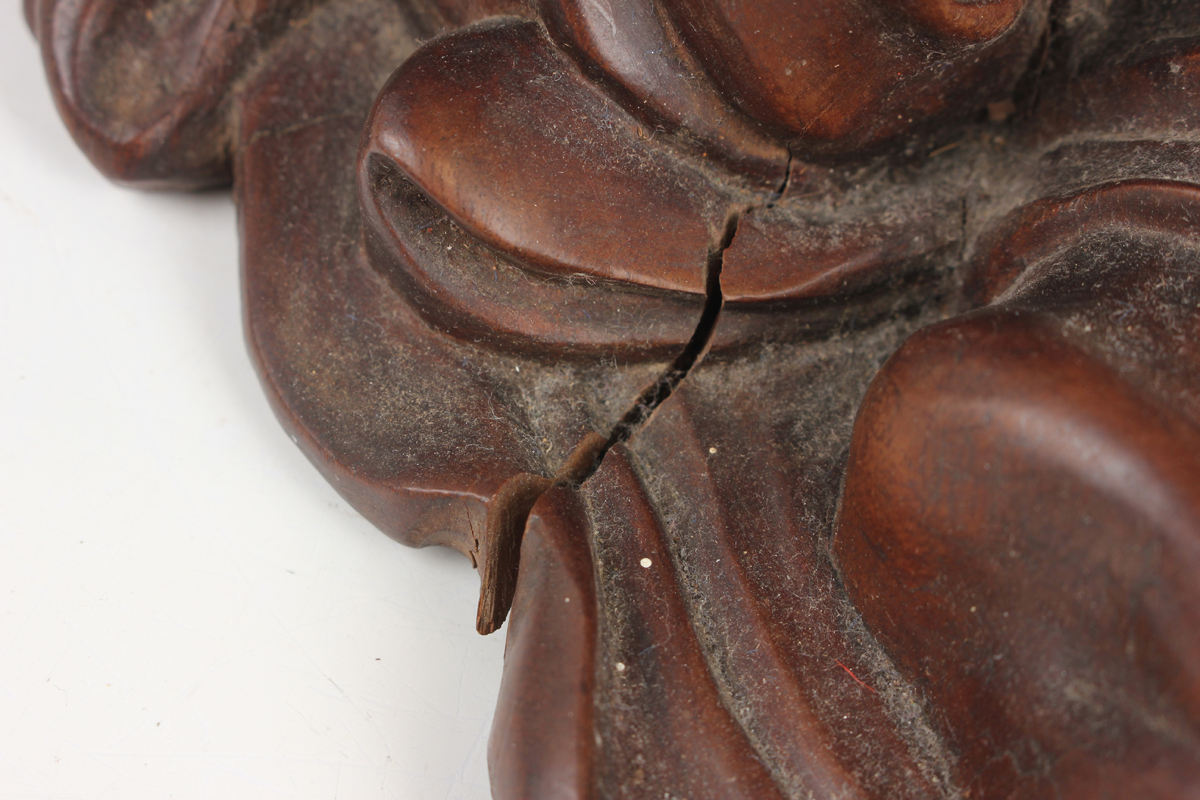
(815, 383)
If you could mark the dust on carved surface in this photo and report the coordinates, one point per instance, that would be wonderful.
(814, 384)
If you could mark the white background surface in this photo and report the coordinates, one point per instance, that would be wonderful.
(187, 610)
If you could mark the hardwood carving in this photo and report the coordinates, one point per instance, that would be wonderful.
(815, 383)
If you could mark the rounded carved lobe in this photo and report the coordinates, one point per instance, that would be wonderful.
(145, 86)
(839, 77)
(961, 21)
(632, 48)
(1043, 630)
(547, 168)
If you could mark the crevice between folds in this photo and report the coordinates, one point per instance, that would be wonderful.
(776, 195)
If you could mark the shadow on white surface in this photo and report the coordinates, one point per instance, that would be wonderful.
(186, 609)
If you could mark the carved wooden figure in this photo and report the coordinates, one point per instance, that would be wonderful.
(815, 383)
